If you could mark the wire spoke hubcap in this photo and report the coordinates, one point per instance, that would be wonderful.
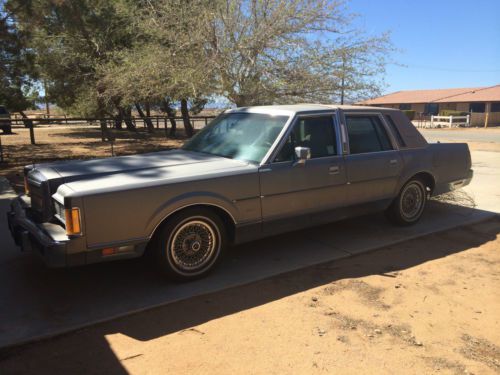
(193, 245)
(411, 201)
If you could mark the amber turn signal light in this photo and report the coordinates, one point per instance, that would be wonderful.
(73, 225)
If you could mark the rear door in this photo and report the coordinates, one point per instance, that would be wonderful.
(292, 193)
(373, 161)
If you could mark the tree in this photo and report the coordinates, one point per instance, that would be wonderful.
(71, 39)
(16, 66)
(272, 51)
(169, 63)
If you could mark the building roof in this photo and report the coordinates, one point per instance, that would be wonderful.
(474, 94)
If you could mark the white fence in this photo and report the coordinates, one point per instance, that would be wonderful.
(449, 121)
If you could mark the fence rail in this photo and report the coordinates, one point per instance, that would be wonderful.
(449, 121)
(17, 120)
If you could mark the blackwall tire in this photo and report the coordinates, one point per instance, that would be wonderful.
(408, 207)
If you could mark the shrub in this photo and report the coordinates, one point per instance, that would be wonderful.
(410, 114)
(452, 112)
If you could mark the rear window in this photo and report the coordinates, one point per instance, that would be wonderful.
(3, 111)
(395, 131)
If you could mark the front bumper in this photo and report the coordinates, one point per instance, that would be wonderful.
(51, 242)
(31, 236)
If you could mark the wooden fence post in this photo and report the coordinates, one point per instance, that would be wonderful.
(32, 133)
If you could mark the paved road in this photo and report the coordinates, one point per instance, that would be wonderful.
(486, 164)
(462, 135)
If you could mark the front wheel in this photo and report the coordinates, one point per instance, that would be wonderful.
(409, 205)
(190, 244)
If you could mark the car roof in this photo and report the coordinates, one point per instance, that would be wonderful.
(291, 109)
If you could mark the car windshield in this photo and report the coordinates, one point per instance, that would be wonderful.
(242, 136)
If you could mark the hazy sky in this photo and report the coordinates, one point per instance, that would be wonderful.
(443, 43)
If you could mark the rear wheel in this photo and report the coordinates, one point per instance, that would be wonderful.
(190, 244)
(410, 203)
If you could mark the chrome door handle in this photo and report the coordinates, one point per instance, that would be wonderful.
(334, 169)
(393, 162)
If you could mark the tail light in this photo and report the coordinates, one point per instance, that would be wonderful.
(73, 224)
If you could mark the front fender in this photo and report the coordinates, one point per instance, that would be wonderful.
(188, 199)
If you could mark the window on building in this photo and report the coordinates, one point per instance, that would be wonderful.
(405, 106)
(477, 107)
(431, 109)
(495, 107)
(366, 134)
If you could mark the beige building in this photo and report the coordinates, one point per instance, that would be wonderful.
(483, 103)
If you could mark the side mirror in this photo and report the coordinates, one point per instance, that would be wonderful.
(302, 154)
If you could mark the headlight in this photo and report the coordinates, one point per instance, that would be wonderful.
(73, 225)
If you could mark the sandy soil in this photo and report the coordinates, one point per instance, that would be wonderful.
(428, 306)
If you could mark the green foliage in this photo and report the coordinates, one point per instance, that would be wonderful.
(410, 113)
(451, 112)
(16, 64)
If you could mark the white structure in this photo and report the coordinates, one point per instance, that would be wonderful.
(450, 121)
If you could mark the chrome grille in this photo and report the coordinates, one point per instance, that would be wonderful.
(36, 196)
(59, 212)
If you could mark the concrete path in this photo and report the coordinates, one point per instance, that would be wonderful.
(37, 302)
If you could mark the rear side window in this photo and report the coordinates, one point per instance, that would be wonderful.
(3, 111)
(366, 134)
(395, 131)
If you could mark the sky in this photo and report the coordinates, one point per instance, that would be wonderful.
(441, 43)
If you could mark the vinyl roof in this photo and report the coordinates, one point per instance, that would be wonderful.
(295, 108)
(462, 95)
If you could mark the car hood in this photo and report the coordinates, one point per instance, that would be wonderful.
(126, 172)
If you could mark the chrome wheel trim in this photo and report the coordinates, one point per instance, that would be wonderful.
(411, 203)
(193, 245)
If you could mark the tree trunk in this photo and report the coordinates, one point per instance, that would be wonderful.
(171, 114)
(119, 120)
(127, 116)
(188, 128)
(147, 120)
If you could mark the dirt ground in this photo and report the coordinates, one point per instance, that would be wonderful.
(427, 306)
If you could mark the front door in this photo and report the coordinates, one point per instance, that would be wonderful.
(292, 194)
(373, 163)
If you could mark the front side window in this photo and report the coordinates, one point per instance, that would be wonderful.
(366, 134)
(317, 133)
(242, 136)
